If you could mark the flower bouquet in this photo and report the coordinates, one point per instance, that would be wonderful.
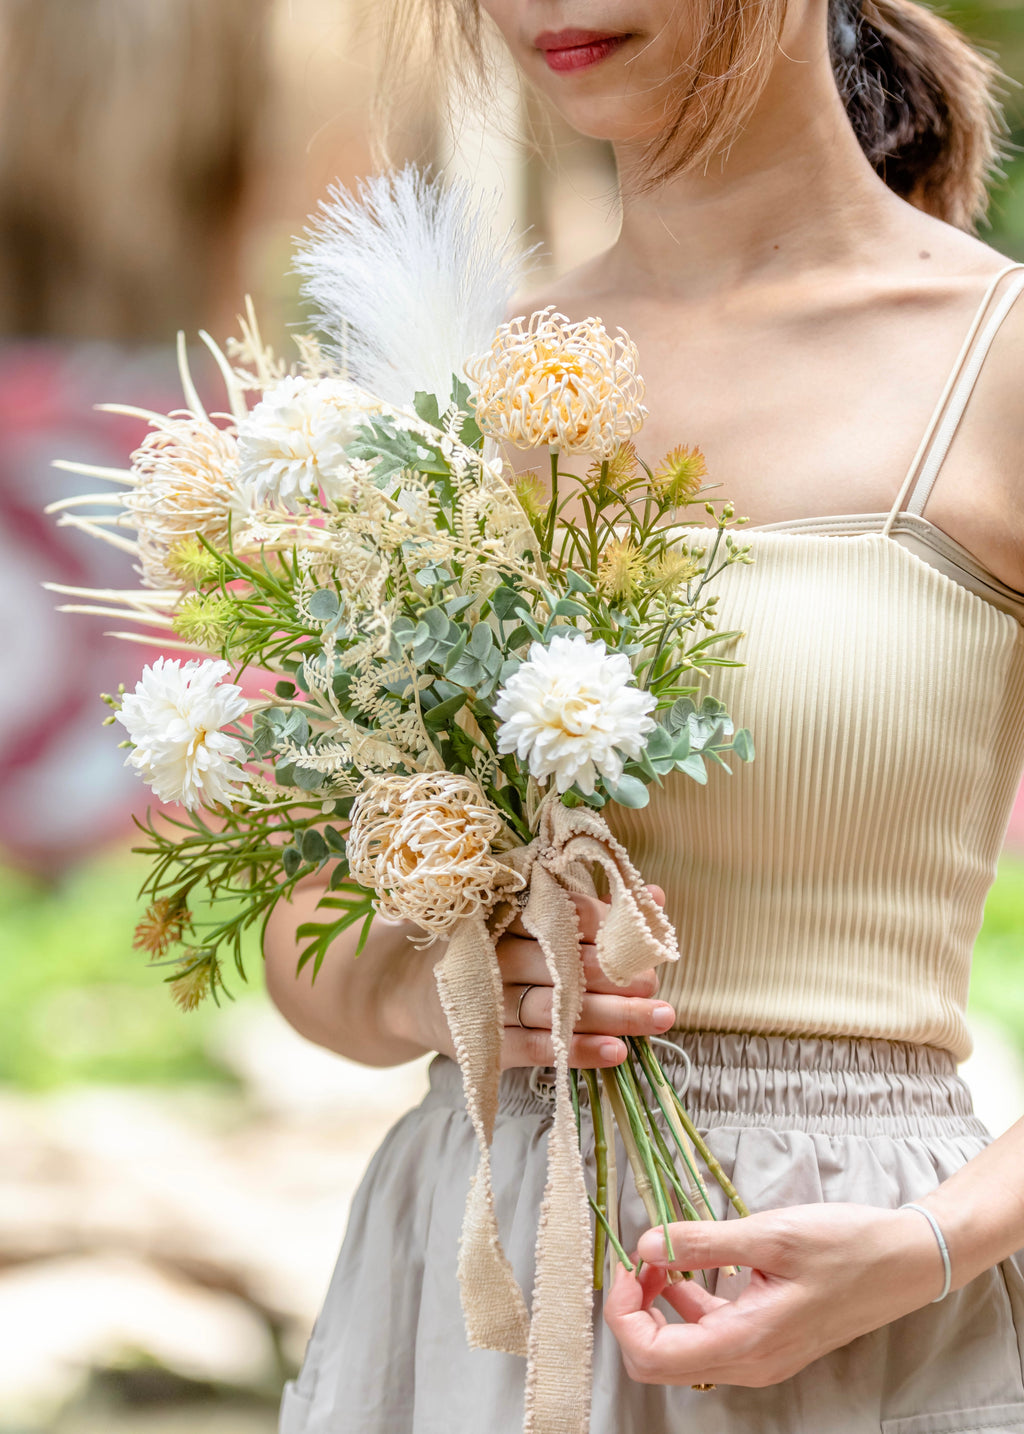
(444, 674)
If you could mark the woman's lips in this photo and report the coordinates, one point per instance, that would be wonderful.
(576, 49)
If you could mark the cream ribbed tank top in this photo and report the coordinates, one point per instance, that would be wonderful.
(835, 886)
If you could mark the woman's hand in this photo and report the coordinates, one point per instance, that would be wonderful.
(819, 1276)
(609, 1011)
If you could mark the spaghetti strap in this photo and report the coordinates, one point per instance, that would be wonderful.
(953, 399)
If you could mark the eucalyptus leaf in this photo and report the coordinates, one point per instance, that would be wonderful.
(506, 601)
(694, 767)
(577, 583)
(481, 641)
(467, 672)
(628, 792)
(566, 607)
(334, 839)
(308, 779)
(743, 745)
(455, 653)
(659, 743)
(519, 636)
(314, 848)
(436, 717)
(339, 876)
(323, 604)
(291, 860)
(436, 621)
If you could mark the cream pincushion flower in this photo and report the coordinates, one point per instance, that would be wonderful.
(173, 718)
(424, 845)
(573, 711)
(185, 482)
(293, 442)
(551, 382)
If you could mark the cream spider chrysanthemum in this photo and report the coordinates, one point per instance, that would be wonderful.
(546, 381)
(573, 712)
(185, 481)
(293, 442)
(424, 845)
(173, 719)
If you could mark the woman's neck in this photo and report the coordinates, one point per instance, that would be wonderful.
(795, 192)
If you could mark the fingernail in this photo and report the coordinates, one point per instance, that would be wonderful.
(663, 1015)
(612, 1050)
(651, 1247)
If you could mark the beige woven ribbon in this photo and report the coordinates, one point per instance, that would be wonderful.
(633, 936)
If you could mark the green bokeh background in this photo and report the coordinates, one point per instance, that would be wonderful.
(997, 27)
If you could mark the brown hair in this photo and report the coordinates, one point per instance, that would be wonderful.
(923, 102)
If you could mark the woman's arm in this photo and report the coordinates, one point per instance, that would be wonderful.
(382, 1008)
(820, 1276)
(358, 1006)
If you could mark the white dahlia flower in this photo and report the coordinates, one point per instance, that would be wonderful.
(173, 718)
(293, 442)
(573, 711)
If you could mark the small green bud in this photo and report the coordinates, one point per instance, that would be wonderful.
(192, 563)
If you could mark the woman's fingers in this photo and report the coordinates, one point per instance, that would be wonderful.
(709, 1244)
(535, 1048)
(719, 1344)
(523, 964)
(690, 1298)
(531, 1006)
(590, 910)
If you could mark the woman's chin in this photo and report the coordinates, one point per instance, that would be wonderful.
(607, 117)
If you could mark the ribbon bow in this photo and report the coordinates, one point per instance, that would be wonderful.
(557, 1340)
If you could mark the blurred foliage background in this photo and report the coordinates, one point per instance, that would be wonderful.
(172, 1188)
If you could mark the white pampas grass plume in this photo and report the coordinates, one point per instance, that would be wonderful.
(408, 277)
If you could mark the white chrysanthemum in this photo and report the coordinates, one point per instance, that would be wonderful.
(293, 442)
(573, 711)
(174, 719)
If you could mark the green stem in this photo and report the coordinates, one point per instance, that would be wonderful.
(641, 1175)
(612, 1240)
(646, 1154)
(660, 1084)
(709, 1158)
(601, 1162)
(549, 534)
(613, 1174)
(660, 1150)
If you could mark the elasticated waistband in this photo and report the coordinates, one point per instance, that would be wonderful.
(842, 1086)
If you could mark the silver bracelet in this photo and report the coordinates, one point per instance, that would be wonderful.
(943, 1247)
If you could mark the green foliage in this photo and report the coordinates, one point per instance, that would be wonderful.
(997, 980)
(76, 1002)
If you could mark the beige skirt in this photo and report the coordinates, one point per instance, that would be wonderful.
(793, 1121)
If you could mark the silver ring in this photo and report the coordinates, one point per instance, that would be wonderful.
(519, 1008)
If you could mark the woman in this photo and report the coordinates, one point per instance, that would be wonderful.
(797, 316)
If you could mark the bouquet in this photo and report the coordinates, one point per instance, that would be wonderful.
(403, 667)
